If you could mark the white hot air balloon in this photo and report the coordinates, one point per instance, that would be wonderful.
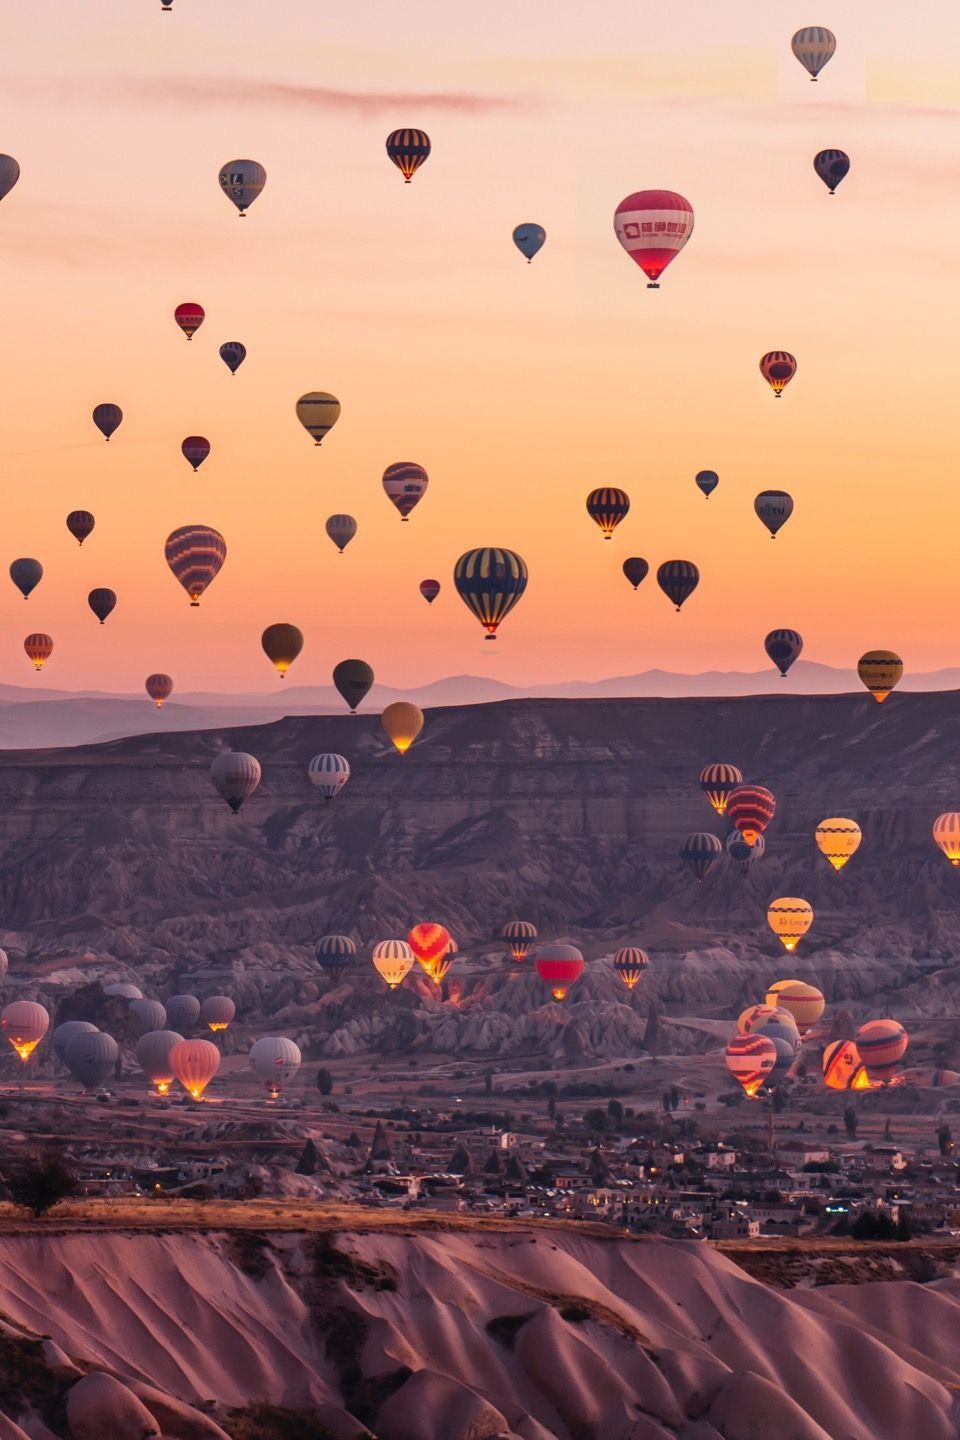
(275, 1061)
(329, 773)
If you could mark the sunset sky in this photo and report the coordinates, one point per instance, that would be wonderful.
(518, 387)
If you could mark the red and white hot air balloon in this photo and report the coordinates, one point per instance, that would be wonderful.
(653, 226)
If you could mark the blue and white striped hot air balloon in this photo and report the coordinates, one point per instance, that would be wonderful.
(329, 773)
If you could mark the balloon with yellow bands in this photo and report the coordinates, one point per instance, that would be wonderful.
(880, 671)
(838, 839)
(804, 1002)
(402, 722)
(790, 918)
(946, 833)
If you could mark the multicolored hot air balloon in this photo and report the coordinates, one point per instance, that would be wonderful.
(195, 554)
(778, 368)
(783, 647)
(233, 354)
(743, 854)
(24, 1023)
(26, 575)
(9, 174)
(352, 680)
(195, 450)
(880, 671)
(678, 579)
(750, 1060)
(559, 966)
(653, 226)
(706, 481)
(429, 589)
(750, 808)
(341, 530)
(242, 181)
(329, 773)
(529, 239)
(282, 644)
(607, 506)
(429, 942)
(107, 419)
(159, 688)
(519, 935)
(813, 46)
(838, 839)
(402, 722)
(318, 411)
(275, 1060)
(189, 316)
(946, 834)
(408, 149)
(334, 953)
(393, 960)
(700, 852)
(773, 508)
(790, 918)
(235, 775)
(39, 648)
(832, 166)
(882, 1044)
(80, 523)
(405, 484)
(717, 781)
(490, 581)
(636, 570)
(754, 1016)
(102, 602)
(194, 1063)
(630, 964)
(842, 1067)
(804, 1002)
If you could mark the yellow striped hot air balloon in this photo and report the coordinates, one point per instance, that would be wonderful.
(790, 918)
(393, 960)
(717, 782)
(838, 839)
(804, 1002)
(946, 833)
(318, 412)
(880, 671)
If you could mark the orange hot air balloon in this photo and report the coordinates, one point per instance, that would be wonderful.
(804, 1002)
(429, 942)
(281, 645)
(750, 1060)
(441, 966)
(880, 671)
(559, 966)
(946, 833)
(750, 808)
(39, 648)
(159, 688)
(842, 1067)
(24, 1023)
(838, 839)
(402, 722)
(778, 368)
(882, 1045)
(194, 1063)
(790, 918)
(393, 960)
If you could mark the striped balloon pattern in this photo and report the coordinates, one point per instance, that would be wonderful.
(329, 773)
(750, 1060)
(653, 226)
(334, 953)
(754, 1016)
(774, 508)
(242, 181)
(790, 918)
(429, 589)
(318, 411)
(195, 554)
(750, 808)
(107, 418)
(235, 775)
(430, 943)
(842, 1067)
(832, 166)
(102, 602)
(560, 967)
(9, 174)
(700, 852)
(743, 854)
(881, 1044)
(813, 46)
(233, 354)
(189, 316)
(490, 581)
(393, 960)
(38, 648)
(195, 450)
(341, 530)
(607, 507)
(778, 368)
(519, 935)
(405, 484)
(880, 671)
(629, 964)
(408, 149)
(783, 647)
(804, 1002)
(678, 579)
(717, 781)
(159, 687)
(946, 834)
(838, 839)
(80, 523)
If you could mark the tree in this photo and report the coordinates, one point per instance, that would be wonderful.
(552, 1107)
(887, 1131)
(40, 1184)
(615, 1112)
(945, 1138)
(324, 1082)
(651, 1035)
(595, 1121)
(850, 1122)
(488, 1081)
(674, 1098)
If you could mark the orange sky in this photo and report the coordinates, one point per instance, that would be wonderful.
(519, 388)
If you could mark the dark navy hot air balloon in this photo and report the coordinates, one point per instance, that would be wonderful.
(233, 354)
(607, 506)
(529, 239)
(408, 149)
(701, 852)
(678, 579)
(80, 523)
(102, 602)
(636, 570)
(707, 481)
(490, 581)
(26, 575)
(353, 679)
(783, 647)
(774, 508)
(107, 418)
(832, 166)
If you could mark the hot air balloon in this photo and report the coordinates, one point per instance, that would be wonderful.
(753, 1016)
(717, 782)
(353, 679)
(282, 644)
(774, 508)
(700, 852)
(678, 579)
(233, 354)
(166, 6)
(778, 368)
(124, 989)
(519, 935)
(779, 1026)
(64, 1034)
(183, 1011)
(783, 647)
(393, 961)
(408, 149)
(195, 450)
(946, 834)
(636, 570)
(607, 507)
(159, 688)
(441, 966)
(790, 918)
(630, 964)
(80, 523)
(804, 1002)
(318, 411)
(880, 671)
(429, 589)
(786, 1049)
(102, 602)
(490, 581)
(707, 481)
(750, 808)
(235, 775)
(26, 575)
(242, 181)
(334, 953)
(745, 855)
(189, 316)
(195, 554)
(653, 226)
(838, 839)
(107, 419)
(275, 1061)
(405, 484)
(832, 166)
(39, 648)
(429, 942)
(91, 1057)
(402, 722)
(751, 1060)
(24, 1023)
(813, 46)
(559, 966)
(882, 1044)
(153, 1057)
(217, 1012)
(529, 239)
(842, 1067)
(148, 1014)
(341, 530)
(329, 773)
(9, 174)
(194, 1063)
